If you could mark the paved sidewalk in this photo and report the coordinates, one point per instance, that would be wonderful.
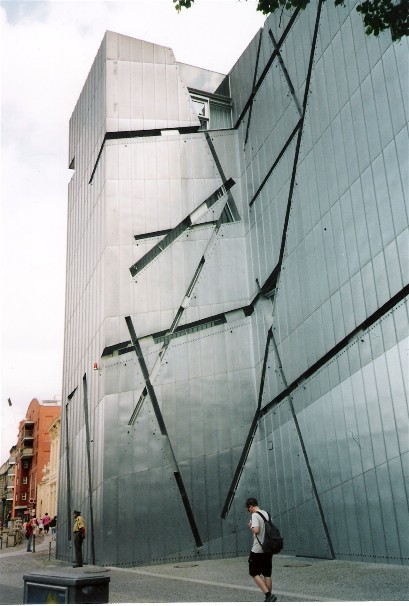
(294, 579)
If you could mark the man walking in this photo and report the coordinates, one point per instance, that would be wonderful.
(260, 563)
(79, 536)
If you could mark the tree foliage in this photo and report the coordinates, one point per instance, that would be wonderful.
(378, 15)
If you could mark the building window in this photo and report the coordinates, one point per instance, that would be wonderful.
(25, 464)
(220, 114)
(25, 480)
(214, 111)
(201, 106)
(24, 496)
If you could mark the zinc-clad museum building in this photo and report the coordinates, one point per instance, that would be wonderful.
(237, 286)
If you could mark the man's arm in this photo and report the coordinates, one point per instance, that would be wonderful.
(82, 527)
(254, 529)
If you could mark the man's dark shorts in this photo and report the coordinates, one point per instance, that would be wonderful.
(260, 563)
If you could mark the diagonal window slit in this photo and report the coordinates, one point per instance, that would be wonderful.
(253, 90)
(162, 426)
(185, 329)
(267, 68)
(250, 437)
(285, 72)
(164, 232)
(276, 161)
(138, 406)
(182, 227)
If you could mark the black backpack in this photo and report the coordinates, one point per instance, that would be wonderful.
(272, 542)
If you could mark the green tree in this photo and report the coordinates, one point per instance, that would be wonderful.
(378, 15)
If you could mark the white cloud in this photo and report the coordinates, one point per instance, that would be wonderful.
(47, 51)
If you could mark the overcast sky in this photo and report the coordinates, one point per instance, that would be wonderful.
(47, 49)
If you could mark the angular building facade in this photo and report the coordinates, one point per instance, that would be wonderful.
(236, 313)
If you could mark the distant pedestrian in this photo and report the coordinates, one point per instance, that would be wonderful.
(29, 534)
(46, 522)
(53, 526)
(79, 536)
(260, 563)
(40, 527)
(34, 525)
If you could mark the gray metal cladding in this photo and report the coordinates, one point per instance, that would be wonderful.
(341, 255)
(162, 102)
(330, 285)
(351, 429)
(272, 330)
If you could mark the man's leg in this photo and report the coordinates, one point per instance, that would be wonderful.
(261, 584)
(78, 549)
(81, 562)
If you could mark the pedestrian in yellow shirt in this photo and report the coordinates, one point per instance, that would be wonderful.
(79, 536)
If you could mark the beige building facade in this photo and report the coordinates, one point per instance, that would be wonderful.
(48, 487)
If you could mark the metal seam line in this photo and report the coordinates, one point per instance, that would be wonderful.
(163, 430)
(253, 87)
(87, 441)
(246, 449)
(304, 451)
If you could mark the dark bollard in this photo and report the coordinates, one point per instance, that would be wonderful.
(34, 543)
(49, 551)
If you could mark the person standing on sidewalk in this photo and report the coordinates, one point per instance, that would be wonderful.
(79, 536)
(29, 535)
(260, 563)
(46, 523)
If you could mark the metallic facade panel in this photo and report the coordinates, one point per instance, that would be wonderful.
(293, 309)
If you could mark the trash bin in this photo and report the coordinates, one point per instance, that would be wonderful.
(66, 586)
